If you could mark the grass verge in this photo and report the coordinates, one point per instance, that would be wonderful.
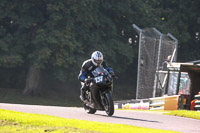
(52, 98)
(185, 113)
(181, 113)
(11, 121)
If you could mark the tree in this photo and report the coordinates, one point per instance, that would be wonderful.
(56, 35)
(38, 35)
(181, 17)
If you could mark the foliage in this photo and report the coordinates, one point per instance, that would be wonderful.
(58, 97)
(57, 36)
(180, 18)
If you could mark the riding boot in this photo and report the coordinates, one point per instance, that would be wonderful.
(82, 96)
(83, 91)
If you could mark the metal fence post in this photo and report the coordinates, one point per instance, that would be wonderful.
(139, 54)
(180, 103)
(178, 82)
(158, 61)
(176, 48)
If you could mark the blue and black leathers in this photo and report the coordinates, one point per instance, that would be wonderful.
(88, 67)
(86, 71)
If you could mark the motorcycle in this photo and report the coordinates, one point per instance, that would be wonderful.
(104, 81)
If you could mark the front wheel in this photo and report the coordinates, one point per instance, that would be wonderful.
(88, 109)
(108, 104)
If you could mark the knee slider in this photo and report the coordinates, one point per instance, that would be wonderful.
(84, 88)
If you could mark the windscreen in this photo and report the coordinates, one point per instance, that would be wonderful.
(98, 71)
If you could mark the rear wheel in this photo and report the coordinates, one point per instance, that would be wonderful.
(88, 109)
(109, 105)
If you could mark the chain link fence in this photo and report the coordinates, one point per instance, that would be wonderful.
(154, 49)
(167, 54)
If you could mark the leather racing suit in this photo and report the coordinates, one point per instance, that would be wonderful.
(85, 72)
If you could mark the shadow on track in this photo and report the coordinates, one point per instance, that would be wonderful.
(127, 118)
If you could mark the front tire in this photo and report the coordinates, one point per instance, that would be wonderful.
(88, 109)
(109, 105)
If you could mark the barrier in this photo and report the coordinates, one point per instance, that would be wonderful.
(197, 106)
(141, 105)
(164, 103)
(156, 103)
(171, 102)
(132, 104)
(174, 102)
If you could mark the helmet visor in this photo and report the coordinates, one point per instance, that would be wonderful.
(98, 61)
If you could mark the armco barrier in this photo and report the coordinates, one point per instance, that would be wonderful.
(164, 103)
(141, 105)
(132, 104)
(197, 106)
(174, 102)
(156, 103)
(171, 102)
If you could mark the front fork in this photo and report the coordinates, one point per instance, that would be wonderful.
(102, 95)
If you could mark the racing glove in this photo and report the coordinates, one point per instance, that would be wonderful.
(112, 74)
(88, 80)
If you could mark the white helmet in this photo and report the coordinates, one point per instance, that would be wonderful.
(97, 58)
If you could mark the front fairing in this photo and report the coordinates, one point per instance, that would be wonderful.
(101, 77)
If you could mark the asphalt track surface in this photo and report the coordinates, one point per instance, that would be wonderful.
(134, 118)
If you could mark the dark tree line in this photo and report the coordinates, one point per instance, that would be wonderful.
(57, 36)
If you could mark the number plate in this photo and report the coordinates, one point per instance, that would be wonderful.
(99, 79)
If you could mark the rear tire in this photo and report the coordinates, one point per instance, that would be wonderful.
(109, 105)
(88, 109)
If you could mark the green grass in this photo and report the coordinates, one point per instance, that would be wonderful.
(69, 99)
(181, 113)
(60, 96)
(11, 121)
(185, 113)
(57, 97)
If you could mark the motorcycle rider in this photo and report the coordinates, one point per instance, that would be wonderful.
(86, 73)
